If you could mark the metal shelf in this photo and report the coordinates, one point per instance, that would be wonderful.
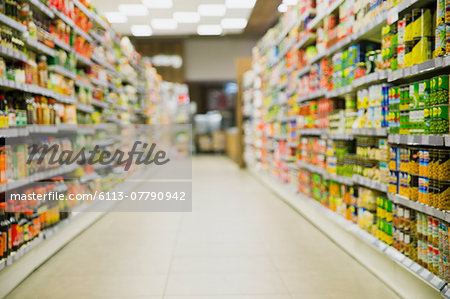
(11, 23)
(311, 96)
(14, 132)
(85, 108)
(360, 180)
(379, 132)
(62, 71)
(427, 140)
(11, 53)
(99, 104)
(43, 8)
(420, 207)
(31, 42)
(311, 132)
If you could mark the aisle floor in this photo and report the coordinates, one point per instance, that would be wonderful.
(240, 241)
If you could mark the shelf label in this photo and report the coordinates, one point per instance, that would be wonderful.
(425, 273)
(436, 281)
(407, 262)
(416, 267)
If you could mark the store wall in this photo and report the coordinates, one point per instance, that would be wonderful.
(213, 59)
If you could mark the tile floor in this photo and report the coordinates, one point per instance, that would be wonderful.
(240, 241)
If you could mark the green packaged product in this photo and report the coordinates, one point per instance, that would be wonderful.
(442, 90)
(440, 120)
(428, 117)
(404, 122)
(422, 24)
(404, 97)
(439, 90)
(414, 95)
(424, 93)
(416, 121)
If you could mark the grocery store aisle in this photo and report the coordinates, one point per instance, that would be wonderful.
(240, 241)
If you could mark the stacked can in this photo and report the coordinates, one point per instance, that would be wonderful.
(440, 47)
(394, 110)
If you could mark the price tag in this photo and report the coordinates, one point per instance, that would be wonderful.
(425, 273)
(407, 262)
(436, 281)
(425, 139)
(447, 293)
(416, 267)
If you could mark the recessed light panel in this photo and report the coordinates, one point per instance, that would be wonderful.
(133, 10)
(234, 23)
(116, 17)
(141, 30)
(212, 10)
(209, 30)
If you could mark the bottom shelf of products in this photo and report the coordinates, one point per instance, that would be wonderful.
(373, 246)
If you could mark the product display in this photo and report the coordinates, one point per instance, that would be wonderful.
(371, 118)
(67, 80)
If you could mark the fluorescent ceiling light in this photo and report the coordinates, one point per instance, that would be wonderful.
(212, 10)
(164, 4)
(209, 30)
(234, 23)
(116, 17)
(164, 24)
(186, 17)
(290, 2)
(240, 3)
(141, 30)
(133, 10)
(282, 8)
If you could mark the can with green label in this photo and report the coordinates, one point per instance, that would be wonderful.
(441, 90)
(404, 122)
(424, 93)
(416, 121)
(440, 120)
(428, 116)
(404, 97)
(414, 95)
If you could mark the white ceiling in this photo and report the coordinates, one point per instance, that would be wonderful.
(105, 6)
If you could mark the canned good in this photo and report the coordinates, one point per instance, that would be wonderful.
(417, 121)
(414, 161)
(444, 165)
(434, 164)
(439, 90)
(423, 190)
(432, 192)
(408, 28)
(414, 187)
(440, 120)
(444, 195)
(414, 95)
(424, 160)
(421, 50)
(423, 93)
(440, 46)
(447, 39)
(422, 23)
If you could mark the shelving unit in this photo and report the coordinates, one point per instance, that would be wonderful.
(331, 103)
(91, 93)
